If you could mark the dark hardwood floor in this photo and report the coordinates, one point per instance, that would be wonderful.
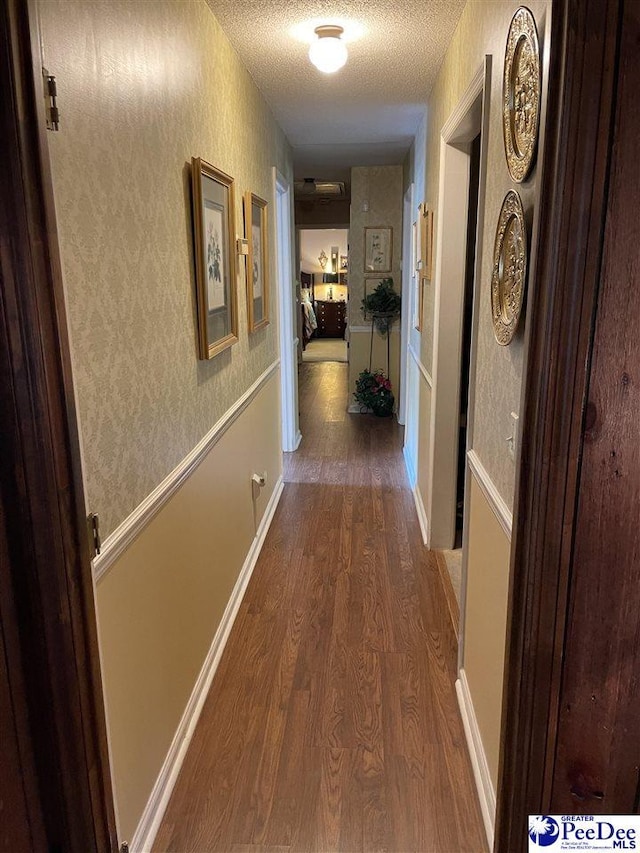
(332, 722)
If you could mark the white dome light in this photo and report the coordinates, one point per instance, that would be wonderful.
(328, 53)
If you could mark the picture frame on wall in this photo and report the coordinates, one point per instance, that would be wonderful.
(215, 259)
(378, 249)
(335, 259)
(257, 278)
(428, 249)
(424, 257)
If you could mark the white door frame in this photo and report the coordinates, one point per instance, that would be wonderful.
(291, 435)
(467, 120)
(405, 316)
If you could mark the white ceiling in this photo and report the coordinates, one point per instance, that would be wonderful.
(366, 113)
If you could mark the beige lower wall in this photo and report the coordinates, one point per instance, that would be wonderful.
(485, 620)
(160, 604)
(359, 346)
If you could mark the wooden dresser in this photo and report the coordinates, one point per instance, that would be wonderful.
(332, 318)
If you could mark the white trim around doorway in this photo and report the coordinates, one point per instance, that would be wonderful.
(288, 340)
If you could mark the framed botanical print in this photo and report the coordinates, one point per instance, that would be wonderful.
(378, 249)
(255, 227)
(213, 213)
(424, 259)
(428, 242)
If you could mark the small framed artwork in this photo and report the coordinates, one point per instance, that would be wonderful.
(378, 249)
(428, 248)
(255, 226)
(335, 255)
(344, 263)
(215, 256)
(424, 256)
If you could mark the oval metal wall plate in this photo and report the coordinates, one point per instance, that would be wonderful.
(509, 269)
(521, 88)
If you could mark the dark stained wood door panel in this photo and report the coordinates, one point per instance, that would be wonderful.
(598, 759)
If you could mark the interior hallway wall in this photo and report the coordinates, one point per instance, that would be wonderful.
(379, 188)
(482, 30)
(143, 87)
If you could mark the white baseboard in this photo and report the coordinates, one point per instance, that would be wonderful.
(408, 464)
(159, 798)
(422, 515)
(486, 792)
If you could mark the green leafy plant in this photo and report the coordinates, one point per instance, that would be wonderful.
(373, 391)
(383, 304)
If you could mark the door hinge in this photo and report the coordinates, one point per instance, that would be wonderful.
(93, 525)
(50, 95)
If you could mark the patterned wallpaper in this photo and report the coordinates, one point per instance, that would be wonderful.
(143, 87)
(381, 188)
(482, 30)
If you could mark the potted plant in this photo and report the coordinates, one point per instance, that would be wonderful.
(383, 304)
(373, 393)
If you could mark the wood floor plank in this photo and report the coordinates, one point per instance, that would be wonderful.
(332, 722)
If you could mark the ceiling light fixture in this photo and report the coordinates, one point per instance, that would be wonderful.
(328, 53)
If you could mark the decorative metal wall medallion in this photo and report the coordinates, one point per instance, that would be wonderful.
(509, 269)
(521, 94)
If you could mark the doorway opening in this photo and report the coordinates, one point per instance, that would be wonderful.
(467, 318)
(291, 435)
(462, 154)
(324, 294)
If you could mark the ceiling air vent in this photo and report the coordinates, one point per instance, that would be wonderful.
(310, 188)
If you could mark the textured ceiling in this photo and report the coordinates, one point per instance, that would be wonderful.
(366, 113)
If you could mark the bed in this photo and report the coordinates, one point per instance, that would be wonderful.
(309, 322)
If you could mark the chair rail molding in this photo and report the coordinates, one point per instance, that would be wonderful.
(118, 541)
(491, 493)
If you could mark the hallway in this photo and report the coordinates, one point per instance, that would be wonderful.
(332, 722)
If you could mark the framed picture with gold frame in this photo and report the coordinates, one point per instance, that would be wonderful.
(424, 263)
(255, 231)
(215, 258)
(378, 249)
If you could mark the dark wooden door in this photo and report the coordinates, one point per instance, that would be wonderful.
(571, 716)
(55, 788)
(598, 741)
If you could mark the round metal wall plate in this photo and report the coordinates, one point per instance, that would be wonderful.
(509, 269)
(521, 94)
